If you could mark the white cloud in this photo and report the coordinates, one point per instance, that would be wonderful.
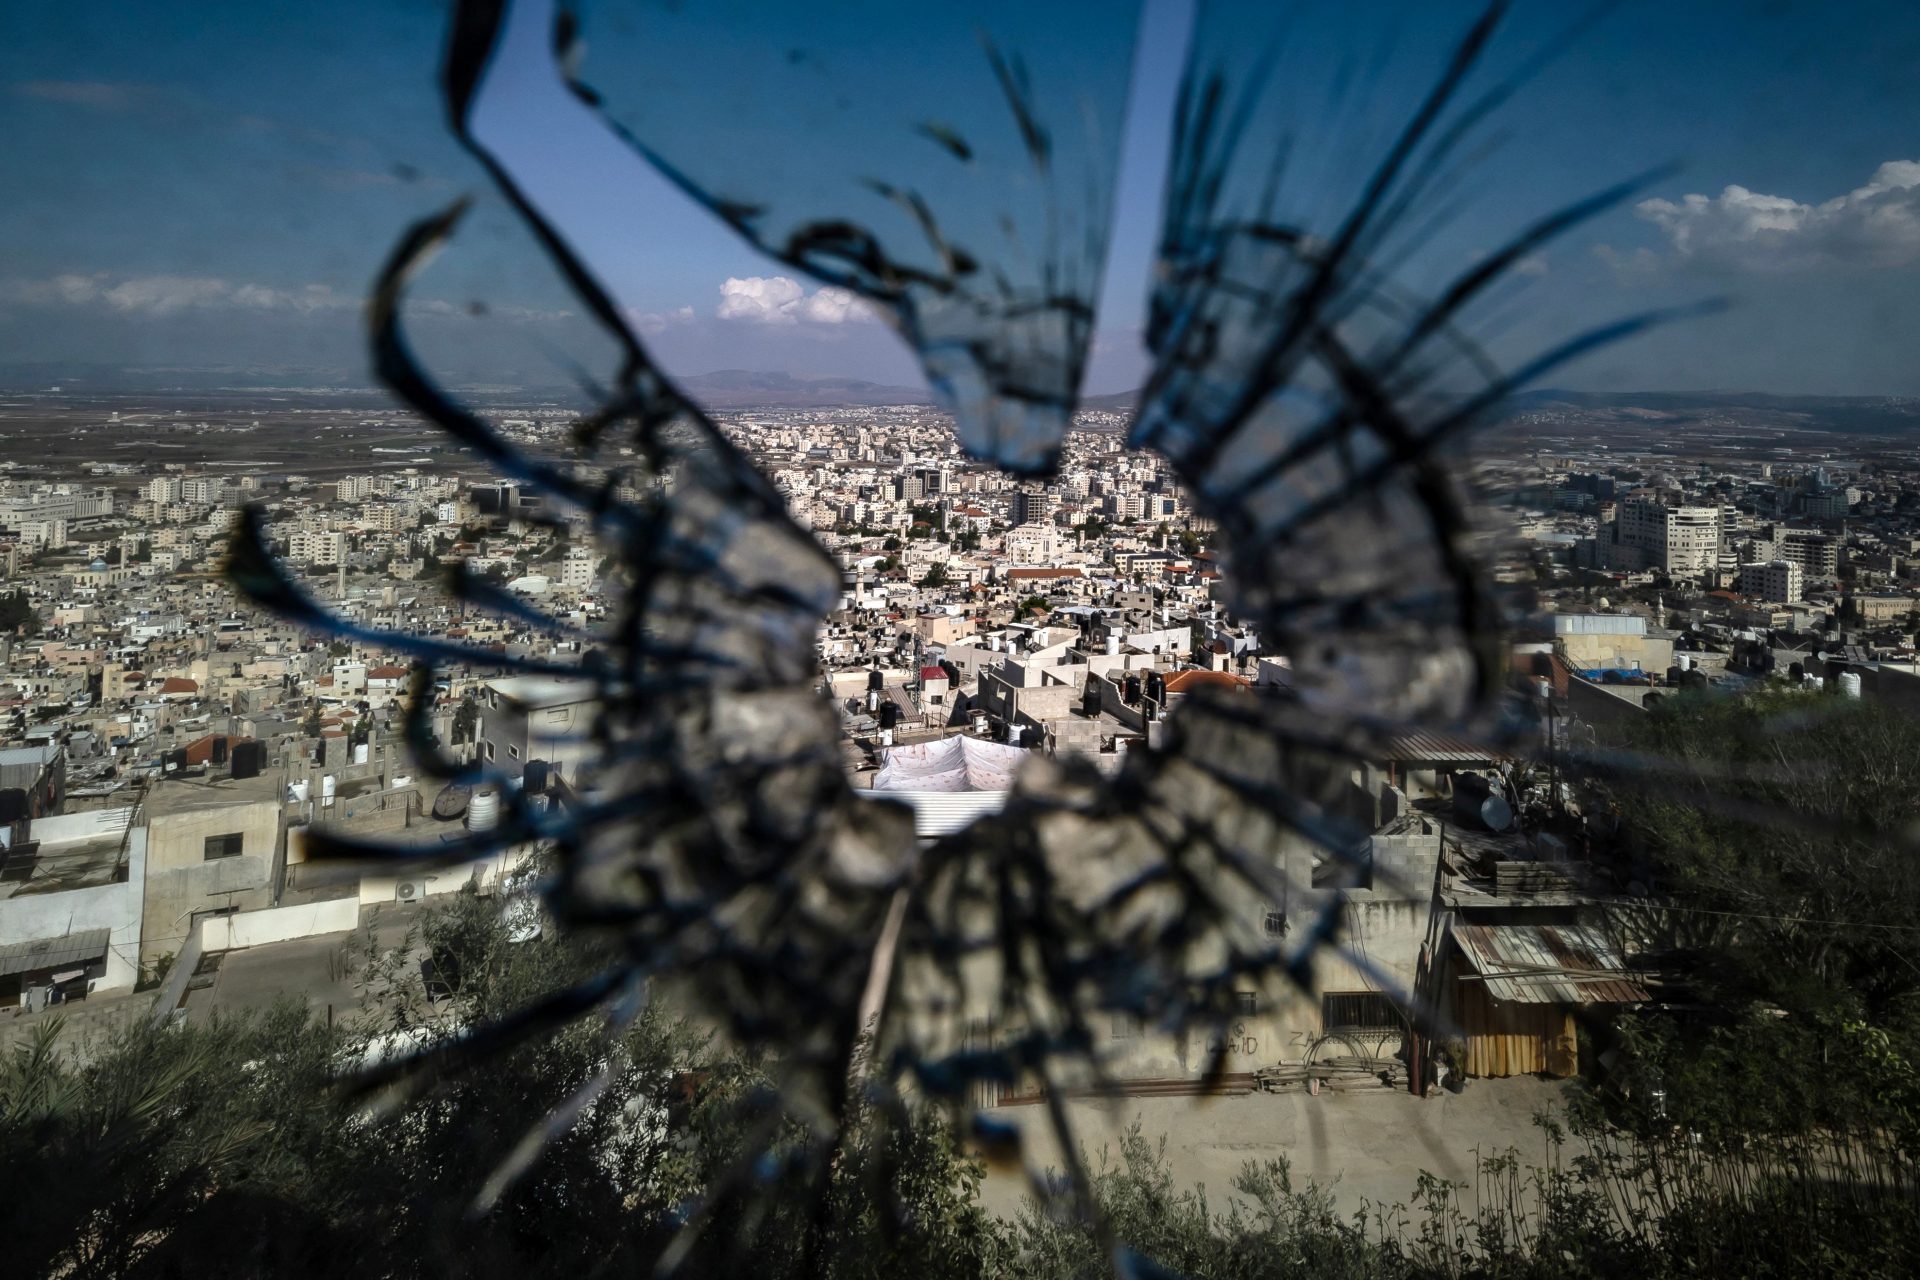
(1874, 225)
(166, 295)
(783, 300)
(169, 295)
(653, 323)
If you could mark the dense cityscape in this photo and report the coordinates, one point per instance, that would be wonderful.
(169, 749)
(166, 744)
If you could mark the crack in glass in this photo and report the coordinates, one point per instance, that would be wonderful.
(958, 180)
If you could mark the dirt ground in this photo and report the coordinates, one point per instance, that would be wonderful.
(1369, 1146)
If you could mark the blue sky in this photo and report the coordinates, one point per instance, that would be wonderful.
(215, 185)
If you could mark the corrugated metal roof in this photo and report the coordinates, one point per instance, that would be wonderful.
(54, 953)
(941, 813)
(1439, 748)
(1547, 964)
(1599, 624)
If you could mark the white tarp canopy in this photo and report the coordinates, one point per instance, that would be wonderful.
(951, 764)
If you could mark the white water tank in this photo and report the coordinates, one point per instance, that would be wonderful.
(360, 753)
(1113, 646)
(1849, 684)
(483, 811)
(886, 737)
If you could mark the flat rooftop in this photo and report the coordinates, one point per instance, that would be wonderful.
(55, 868)
(215, 790)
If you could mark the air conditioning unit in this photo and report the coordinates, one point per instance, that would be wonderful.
(409, 890)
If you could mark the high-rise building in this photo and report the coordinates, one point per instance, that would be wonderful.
(202, 491)
(1776, 581)
(1651, 535)
(1030, 506)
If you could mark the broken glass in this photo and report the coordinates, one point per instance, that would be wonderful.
(957, 177)
(951, 166)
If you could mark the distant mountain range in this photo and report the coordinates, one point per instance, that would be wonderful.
(729, 389)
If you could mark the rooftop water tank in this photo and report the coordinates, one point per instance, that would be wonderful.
(1474, 798)
(483, 810)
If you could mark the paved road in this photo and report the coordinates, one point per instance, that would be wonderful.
(321, 971)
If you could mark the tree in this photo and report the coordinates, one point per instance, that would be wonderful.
(226, 1147)
(1784, 910)
(1784, 831)
(16, 613)
(466, 720)
(1035, 604)
(936, 575)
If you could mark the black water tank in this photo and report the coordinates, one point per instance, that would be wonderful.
(1474, 797)
(889, 714)
(220, 749)
(533, 779)
(249, 758)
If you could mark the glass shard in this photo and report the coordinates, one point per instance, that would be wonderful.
(951, 166)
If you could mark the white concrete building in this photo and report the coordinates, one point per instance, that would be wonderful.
(1780, 581)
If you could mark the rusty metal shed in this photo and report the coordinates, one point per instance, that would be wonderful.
(1547, 964)
(1520, 984)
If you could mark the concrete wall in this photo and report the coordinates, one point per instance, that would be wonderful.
(279, 924)
(1385, 924)
(1586, 652)
(560, 735)
(379, 889)
(1604, 707)
(116, 906)
(84, 825)
(1025, 705)
(181, 880)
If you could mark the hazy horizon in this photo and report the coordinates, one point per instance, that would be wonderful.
(223, 193)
